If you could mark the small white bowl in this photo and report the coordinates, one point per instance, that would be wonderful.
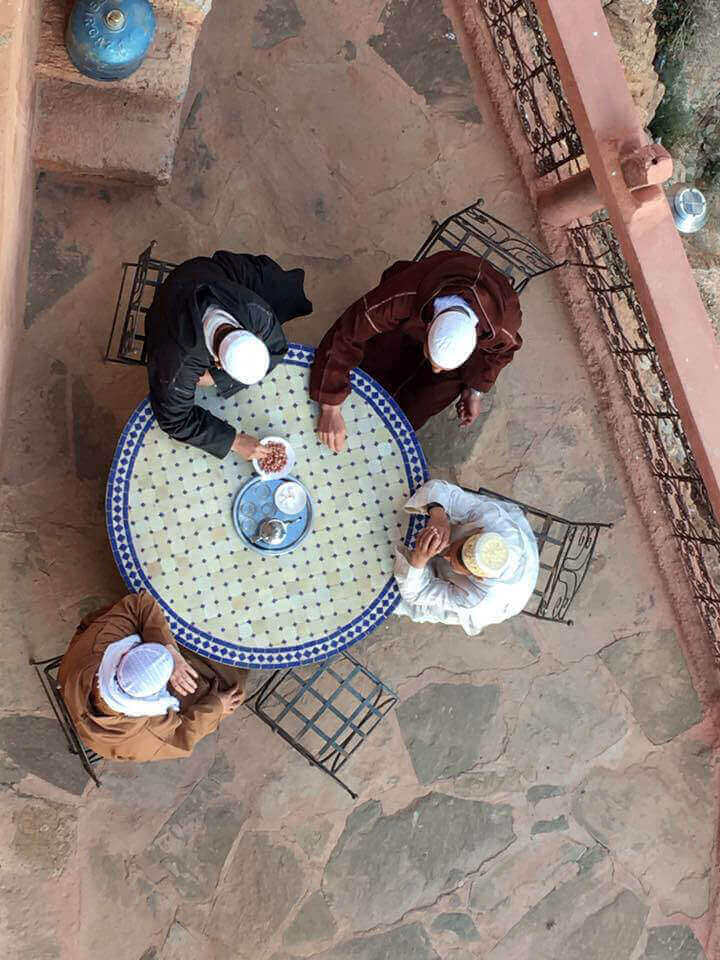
(291, 460)
(290, 497)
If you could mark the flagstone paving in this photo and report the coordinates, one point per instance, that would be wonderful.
(541, 791)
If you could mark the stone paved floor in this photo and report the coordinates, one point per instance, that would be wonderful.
(541, 791)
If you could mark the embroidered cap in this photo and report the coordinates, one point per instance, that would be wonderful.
(486, 555)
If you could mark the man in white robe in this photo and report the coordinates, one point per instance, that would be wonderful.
(475, 563)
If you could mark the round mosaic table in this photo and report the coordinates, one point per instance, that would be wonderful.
(169, 519)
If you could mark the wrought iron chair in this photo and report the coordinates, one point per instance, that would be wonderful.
(126, 343)
(47, 671)
(324, 710)
(469, 229)
(566, 550)
(477, 232)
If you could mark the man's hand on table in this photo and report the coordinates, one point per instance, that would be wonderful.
(230, 699)
(468, 407)
(427, 545)
(247, 447)
(183, 677)
(439, 521)
(331, 427)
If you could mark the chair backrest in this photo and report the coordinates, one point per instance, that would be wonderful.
(127, 341)
(469, 229)
(477, 232)
(47, 671)
(565, 548)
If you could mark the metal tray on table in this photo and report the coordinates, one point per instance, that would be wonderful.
(255, 502)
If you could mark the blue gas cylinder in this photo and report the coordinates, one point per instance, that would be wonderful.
(108, 39)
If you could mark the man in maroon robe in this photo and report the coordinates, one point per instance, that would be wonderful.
(387, 333)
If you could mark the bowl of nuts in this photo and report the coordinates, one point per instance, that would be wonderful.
(279, 460)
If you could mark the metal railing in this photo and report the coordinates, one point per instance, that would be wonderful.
(651, 401)
(547, 121)
(534, 79)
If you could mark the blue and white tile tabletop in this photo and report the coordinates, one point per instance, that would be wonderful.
(169, 521)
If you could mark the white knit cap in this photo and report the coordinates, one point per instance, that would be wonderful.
(244, 356)
(133, 678)
(451, 338)
(145, 670)
(486, 555)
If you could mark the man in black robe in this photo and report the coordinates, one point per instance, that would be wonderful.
(217, 321)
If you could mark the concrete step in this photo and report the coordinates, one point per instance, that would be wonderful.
(126, 129)
(104, 134)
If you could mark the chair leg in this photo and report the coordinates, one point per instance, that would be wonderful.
(45, 683)
(74, 743)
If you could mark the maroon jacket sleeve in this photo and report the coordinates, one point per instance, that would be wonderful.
(343, 346)
(483, 370)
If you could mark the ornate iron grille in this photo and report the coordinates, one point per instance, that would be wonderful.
(534, 79)
(651, 400)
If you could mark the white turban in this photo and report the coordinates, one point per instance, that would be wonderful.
(452, 337)
(244, 356)
(133, 678)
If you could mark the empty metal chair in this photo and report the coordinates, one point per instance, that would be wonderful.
(325, 710)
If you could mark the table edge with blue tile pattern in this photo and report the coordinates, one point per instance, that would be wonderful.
(194, 637)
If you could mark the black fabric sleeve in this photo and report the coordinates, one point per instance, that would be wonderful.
(264, 324)
(243, 268)
(226, 386)
(173, 403)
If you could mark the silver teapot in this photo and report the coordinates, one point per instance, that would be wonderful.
(272, 531)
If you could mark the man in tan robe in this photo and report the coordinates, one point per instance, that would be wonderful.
(206, 691)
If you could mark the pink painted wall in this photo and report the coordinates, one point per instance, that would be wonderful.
(18, 34)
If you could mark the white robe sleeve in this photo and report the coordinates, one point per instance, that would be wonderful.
(460, 506)
(420, 586)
